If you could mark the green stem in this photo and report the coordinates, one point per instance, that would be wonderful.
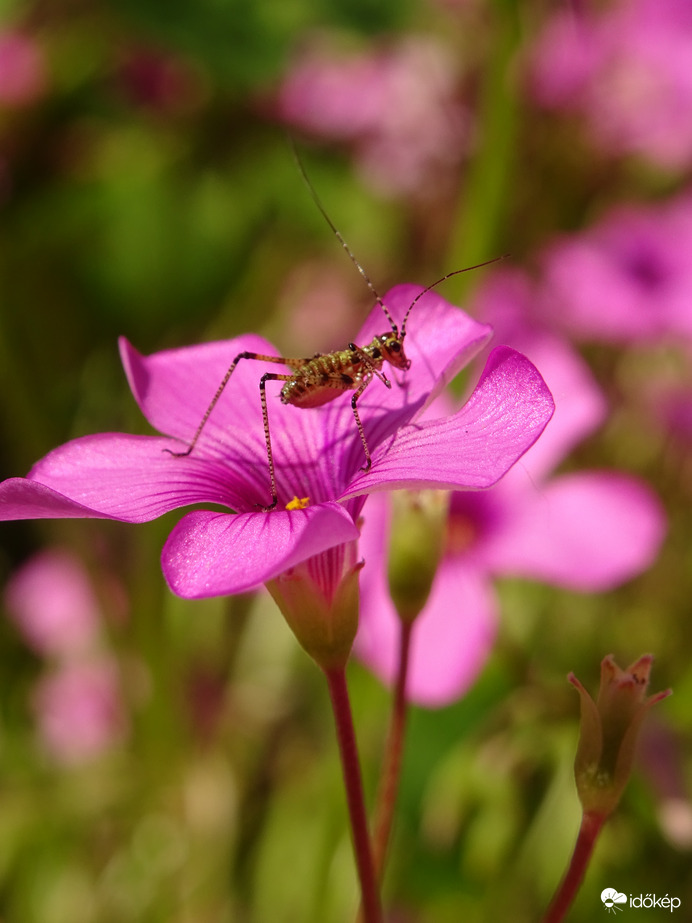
(391, 772)
(591, 825)
(371, 908)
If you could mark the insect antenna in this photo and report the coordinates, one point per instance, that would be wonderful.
(338, 235)
(454, 272)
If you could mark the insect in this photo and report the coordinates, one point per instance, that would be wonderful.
(321, 378)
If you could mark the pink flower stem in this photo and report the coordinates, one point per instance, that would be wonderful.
(370, 898)
(591, 825)
(391, 772)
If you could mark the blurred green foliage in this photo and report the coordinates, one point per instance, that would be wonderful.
(178, 220)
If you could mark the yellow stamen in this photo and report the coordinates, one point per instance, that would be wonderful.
(298, 503)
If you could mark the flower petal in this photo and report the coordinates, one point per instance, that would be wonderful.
(215, 554)
(117, 476)
(440, 340)
(175, 387)
(589, 532)
(579, 404)
(21, 498)
(504, 416)
(452, 636)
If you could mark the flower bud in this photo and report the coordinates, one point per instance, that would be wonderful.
(319, 599)
(609, 729)
(416, 544)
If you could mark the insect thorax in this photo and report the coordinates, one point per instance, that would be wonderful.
(323, 378)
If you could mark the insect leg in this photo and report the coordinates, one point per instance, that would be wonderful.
(367, 362)
(219, 392)
(269, 376)
(354, 401)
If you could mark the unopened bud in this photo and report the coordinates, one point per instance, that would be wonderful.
(417, 537)
(609, 729)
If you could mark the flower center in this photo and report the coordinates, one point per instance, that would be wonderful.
(298, 503)
(646, 269)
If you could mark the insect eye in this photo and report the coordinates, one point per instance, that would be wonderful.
(395, 346)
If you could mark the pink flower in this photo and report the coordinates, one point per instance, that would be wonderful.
(627, 278)
(79, 711)
(626, 69)
(397, 106)
(563, 59)
(318, 452)
(587, 531)
(52, 603)
(22, 69)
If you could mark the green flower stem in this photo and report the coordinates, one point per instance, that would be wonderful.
(591, 825)
(370, 898)
(391, 772)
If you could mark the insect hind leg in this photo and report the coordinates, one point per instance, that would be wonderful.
(219, 392)
(354, 408)
(269, 376)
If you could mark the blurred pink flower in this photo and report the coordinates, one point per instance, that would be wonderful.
(586, 531)
(318, 452)
(397, 106)
(563, 58)
(51, 601)
(23, 77)
(626, 69)
(79, 711)
(627, 278)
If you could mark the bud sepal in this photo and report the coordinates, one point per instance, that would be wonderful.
(609, 730)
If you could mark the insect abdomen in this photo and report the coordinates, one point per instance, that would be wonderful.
(321, 380)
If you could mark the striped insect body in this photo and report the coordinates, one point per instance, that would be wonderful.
(325, 376)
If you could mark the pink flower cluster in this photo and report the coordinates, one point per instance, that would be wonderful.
(396, 106)
(77, 701)
(588, 531)
(628, 278)
(626, 69)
